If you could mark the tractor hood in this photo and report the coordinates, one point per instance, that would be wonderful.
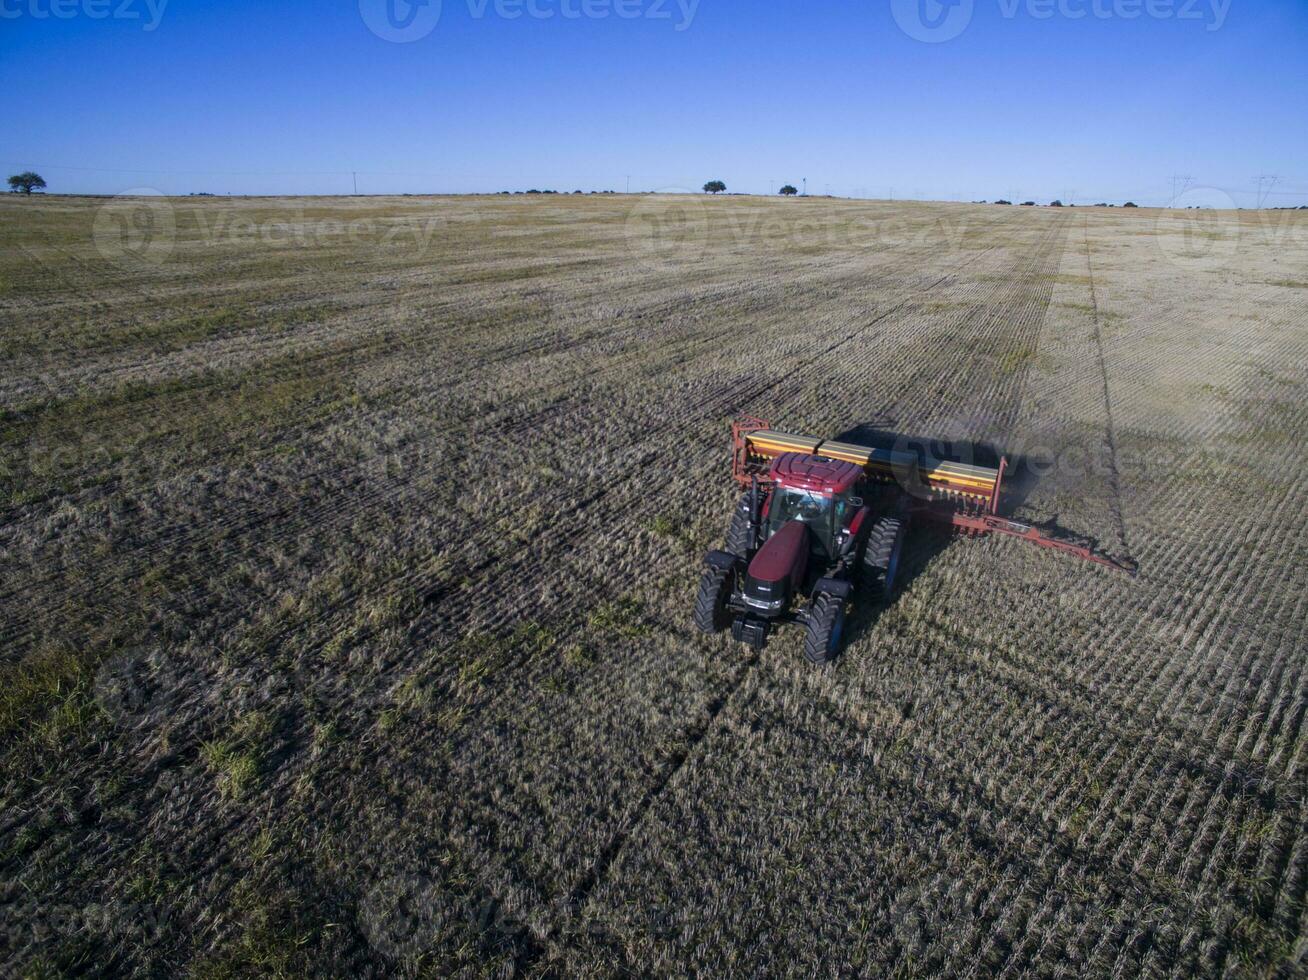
(783, 558)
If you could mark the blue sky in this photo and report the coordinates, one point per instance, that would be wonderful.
(1081, 99)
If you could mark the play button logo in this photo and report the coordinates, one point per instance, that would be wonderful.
(401, 21)
(932, 21)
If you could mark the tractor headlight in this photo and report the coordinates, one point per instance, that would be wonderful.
(765, 605)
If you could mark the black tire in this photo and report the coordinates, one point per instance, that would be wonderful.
(711, 612)
(826, 629)
(881, 558)
(738, 536)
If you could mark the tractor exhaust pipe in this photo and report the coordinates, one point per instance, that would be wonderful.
(753, 513)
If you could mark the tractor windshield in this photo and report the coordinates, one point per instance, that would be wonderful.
(801, 505)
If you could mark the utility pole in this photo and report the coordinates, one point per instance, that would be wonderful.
(628, 183)
(1176, 179)
(355, 175)
(1271, 180)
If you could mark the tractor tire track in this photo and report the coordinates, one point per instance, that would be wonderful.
(1110, 427)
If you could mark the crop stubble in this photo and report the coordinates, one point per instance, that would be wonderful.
(415, 529)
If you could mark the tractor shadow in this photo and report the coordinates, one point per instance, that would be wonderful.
(1021, 477)
(926, 541)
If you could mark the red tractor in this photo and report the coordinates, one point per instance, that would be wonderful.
(821, 518)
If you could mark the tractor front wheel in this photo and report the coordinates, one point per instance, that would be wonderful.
(711, 612)
(826, 628)
(738, 535)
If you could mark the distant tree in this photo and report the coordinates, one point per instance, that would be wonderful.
(1002, 201)
(1028, 204)
(789, 191)
(1130, 204)
(714, 187)
(26, 182)
(1055, 204)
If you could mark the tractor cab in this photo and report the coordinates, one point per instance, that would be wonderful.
(821, 493)
(801, 544)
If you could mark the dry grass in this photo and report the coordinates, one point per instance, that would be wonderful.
(348, 575)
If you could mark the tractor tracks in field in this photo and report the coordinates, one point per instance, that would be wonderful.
(1029, 342)
(598, 870)
(966, 371)
(1110, 427)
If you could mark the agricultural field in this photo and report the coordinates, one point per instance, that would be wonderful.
(350, 545)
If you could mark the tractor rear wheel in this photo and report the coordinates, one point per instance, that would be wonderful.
(711, 612)
(826, 628)
(881, 558)
(738, 537)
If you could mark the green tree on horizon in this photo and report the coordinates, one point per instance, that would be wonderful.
(26, 182)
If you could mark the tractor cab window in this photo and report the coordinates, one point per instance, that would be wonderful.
(841, 512)
(800, 505)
